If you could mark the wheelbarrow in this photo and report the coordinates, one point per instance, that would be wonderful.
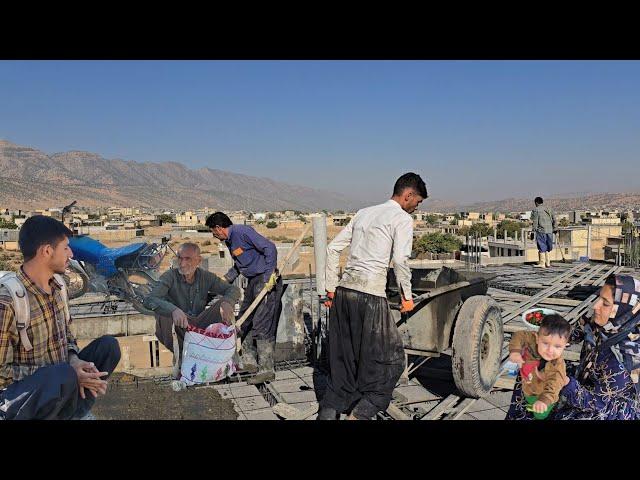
(452, 313)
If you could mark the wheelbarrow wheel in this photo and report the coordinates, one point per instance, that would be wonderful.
(477, 346)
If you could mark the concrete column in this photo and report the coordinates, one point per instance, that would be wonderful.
(516, 235)
(589, 241)
(495, 233)
(320, 251)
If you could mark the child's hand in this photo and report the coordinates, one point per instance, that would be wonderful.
(539, 407)
(516, 357)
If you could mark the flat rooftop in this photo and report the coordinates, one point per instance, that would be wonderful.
(569, 288)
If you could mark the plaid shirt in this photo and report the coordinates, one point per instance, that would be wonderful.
(48, 332)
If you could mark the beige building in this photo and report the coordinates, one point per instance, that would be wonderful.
(123, 211)
(187, 219)
(572, 243)
(487, 217)
(603, 221)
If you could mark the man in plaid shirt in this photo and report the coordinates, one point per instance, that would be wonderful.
(53, 379)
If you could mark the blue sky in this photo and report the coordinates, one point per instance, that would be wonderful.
(475, 130)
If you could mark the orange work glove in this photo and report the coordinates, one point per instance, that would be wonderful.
(329, 302)
(407, 305)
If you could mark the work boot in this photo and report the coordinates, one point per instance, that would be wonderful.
(248, 362)
(265, 363)
(547, 262)
(541, 263)
(327, 413)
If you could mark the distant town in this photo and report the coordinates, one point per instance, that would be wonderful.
(487, 238)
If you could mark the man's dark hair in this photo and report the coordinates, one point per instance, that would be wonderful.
(218, 219)
(538, 201)
(38, 231)
(555, 325)
(410, 180)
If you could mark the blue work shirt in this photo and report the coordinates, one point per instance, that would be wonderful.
(252, 253)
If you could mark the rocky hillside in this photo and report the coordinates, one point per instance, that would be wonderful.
(30, 178)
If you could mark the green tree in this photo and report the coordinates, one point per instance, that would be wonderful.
(271, 216)
(302, 219)
(464, 230)
(437, 243)
(481, 229)
(339, 212)
(431, 219)
(7, 224)
(166, 218)
(272, 224)
(563, 222)
(627, 227)
(511, 226)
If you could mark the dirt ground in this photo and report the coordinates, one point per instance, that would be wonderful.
(133, 398)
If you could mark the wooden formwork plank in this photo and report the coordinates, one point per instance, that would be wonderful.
(460, 409)
(396, 413)
(556, 286)
(442, 408)
(506, 383)
(497, 293)
(579, 310)
(415, 394)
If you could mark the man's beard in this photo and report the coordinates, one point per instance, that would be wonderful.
(186, 272)
(58, 270)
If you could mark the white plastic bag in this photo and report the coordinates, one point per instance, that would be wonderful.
(208, 354)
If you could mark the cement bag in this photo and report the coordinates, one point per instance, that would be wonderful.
(208, 354)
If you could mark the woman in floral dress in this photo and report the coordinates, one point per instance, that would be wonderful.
(605, 385)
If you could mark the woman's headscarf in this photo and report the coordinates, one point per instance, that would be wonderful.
(621, 333)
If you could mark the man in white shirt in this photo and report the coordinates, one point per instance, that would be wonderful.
(366, 354)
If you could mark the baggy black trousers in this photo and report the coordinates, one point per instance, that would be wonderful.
(52, 391)
(263, 322)
(366, 354)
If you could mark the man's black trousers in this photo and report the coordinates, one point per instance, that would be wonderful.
(366, 354)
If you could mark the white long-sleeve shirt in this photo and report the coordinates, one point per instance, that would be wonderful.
(377, 235)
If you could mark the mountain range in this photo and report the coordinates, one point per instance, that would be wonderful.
(591, 201)
(30, 178)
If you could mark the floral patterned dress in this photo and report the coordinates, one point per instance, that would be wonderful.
(607, 394)
(518, 407)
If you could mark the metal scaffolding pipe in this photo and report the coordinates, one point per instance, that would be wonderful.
(320, 251)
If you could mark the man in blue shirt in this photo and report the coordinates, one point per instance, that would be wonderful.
(256, 258)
